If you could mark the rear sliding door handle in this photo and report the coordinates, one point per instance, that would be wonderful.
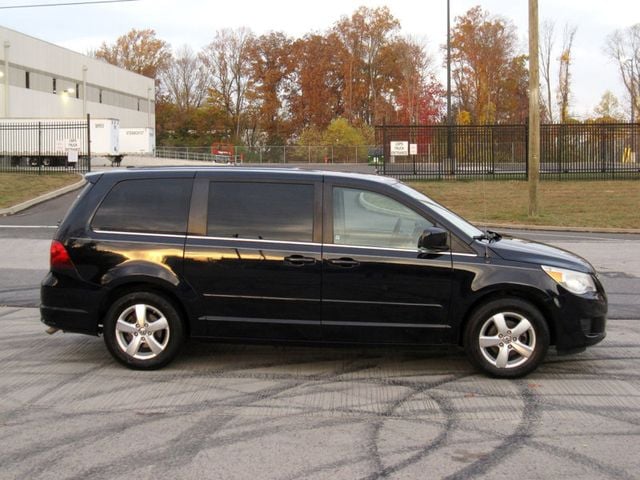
(344, 262)
(299, 260)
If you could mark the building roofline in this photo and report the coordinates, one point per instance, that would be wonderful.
(93, 59)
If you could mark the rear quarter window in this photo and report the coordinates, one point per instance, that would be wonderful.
(158, 205)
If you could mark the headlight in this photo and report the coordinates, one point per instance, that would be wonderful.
(575, 282)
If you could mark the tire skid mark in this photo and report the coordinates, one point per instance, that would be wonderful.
(8, 311)
(440, 441)
(179, 450)
(374, 438)
(530, 416)
(193, 440)
(568, 454)
(69, 379)
(26, 288)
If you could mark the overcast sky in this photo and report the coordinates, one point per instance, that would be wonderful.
(193, 22)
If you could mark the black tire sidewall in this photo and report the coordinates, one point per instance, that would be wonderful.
(176, 335)
(516, 305)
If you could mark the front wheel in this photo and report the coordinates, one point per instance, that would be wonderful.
(507, 338)
(143, 330)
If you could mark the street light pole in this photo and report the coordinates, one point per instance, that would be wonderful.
(7, 44)
(534, 110)
(148, 107)
(84, 91)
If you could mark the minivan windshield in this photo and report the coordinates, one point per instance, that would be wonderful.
(468, 229)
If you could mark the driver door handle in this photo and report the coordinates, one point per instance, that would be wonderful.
(344, 262)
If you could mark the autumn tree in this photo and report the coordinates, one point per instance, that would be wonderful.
(608, 109)
(340, 132)
(185, 80)
(270, 64)
(564, 74)
(486, 71)
(415, 96)
(228, 63)
(363, 36)
(547, 41)
(315, 86)
(623, 46)
(139, 51)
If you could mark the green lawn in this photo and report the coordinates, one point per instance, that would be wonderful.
(597, 204)
(17, 187)
(600, 204)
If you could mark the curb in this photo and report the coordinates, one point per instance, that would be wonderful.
(555, 228)
(42, 198)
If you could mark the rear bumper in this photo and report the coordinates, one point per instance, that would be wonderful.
(56, 296)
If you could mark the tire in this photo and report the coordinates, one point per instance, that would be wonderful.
(143, 346)
(491, 346)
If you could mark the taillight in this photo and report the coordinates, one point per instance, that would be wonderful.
(59, 257)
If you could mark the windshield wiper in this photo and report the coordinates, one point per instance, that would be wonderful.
(488, 235)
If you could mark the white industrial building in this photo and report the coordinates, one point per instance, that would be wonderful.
(41, 80)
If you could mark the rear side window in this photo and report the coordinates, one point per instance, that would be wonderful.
(269, 211)
(149, 206)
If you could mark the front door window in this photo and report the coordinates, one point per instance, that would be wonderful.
(365, 218)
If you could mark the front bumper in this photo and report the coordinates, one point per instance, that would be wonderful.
(580, 320)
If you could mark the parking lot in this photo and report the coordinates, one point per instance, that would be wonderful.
(235, 411)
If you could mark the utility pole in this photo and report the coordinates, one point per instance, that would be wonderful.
(534, 110)
(449, 140)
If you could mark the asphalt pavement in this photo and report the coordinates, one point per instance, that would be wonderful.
(68, 411)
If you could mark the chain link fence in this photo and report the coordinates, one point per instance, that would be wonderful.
(339, 154)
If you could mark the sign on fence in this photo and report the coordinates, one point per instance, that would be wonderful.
(398, 148)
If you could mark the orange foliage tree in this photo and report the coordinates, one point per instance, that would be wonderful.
(490, 79)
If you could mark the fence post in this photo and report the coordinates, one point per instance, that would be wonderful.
(493, 154)
(526, 150)
(89, 142)
(39, 148)
(384, 147)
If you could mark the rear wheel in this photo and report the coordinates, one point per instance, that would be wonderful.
(143, 330)
(507, 338)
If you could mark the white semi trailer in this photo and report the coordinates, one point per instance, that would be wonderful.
(57, 142)
(137, 141)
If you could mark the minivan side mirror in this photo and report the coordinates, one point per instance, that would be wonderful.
(434, 239)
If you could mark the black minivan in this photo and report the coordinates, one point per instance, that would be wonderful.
(147, 257)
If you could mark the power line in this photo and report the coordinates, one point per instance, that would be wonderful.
(65, 4)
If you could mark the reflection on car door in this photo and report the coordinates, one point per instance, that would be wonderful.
(257, 278)
(376, 285)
